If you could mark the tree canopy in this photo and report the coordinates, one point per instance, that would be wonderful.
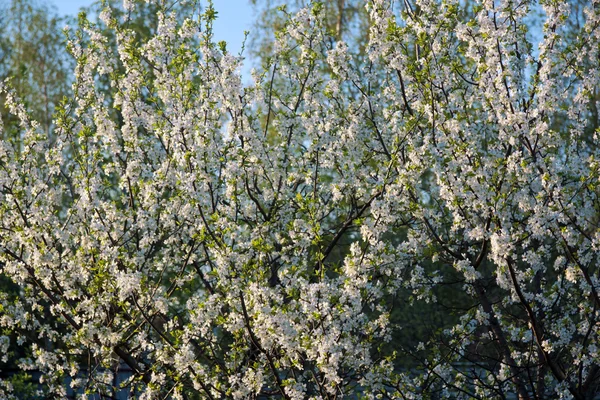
(210, 239)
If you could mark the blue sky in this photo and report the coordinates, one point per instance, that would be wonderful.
(235, 16)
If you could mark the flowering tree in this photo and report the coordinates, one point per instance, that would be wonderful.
(228, 241)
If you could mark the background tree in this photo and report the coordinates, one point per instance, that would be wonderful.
(345, 20)
(32, 54)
